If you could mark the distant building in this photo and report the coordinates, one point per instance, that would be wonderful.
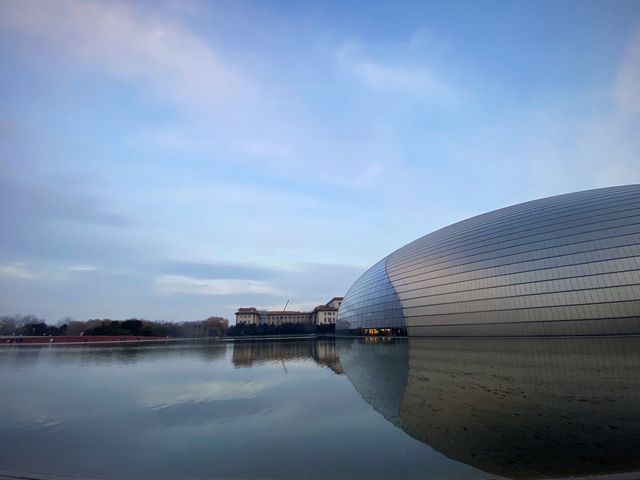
(278, 318)
(321, 315)
(335, 302)
(247, 315)
(324, 315)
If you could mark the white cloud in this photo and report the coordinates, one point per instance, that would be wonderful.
(383, 73)
(17, 270)
(130, 44)
(371, 174)
(43, 272)
(172, 284)
(81, 268)
(236, 109)
(627, 87)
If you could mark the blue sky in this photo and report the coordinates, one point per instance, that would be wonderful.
(177, 160)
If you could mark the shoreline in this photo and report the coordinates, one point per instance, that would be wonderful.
(27, 341)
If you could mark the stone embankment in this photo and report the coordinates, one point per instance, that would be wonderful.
(77, 339)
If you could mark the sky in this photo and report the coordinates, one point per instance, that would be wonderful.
(177, 160)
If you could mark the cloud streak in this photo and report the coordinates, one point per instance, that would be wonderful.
(218, 270)
(627, 88)
(30, 201)
(129, 44)
(17, 270)
(395, 70)
(181, 284)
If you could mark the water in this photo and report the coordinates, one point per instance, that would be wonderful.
(325, 408)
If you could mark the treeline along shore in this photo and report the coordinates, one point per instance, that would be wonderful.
(32, 326)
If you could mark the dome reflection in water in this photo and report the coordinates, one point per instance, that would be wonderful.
(521, 408)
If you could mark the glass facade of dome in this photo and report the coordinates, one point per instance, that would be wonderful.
(563, 265)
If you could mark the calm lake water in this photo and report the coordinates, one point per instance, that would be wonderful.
(325, 408)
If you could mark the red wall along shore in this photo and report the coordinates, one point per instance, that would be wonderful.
(76, 339)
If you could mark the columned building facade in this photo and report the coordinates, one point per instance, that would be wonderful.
(321, 315)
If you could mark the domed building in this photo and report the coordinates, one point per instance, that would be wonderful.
(563, 265)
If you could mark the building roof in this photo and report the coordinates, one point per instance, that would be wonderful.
(324, 308)
(286, 312)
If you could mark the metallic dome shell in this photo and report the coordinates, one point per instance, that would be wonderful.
(562, 265)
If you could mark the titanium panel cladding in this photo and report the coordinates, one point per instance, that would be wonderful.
(371, 302)
(563, 265)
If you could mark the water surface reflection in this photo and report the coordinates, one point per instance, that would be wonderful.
(458, 409)
(252, 409)
(323, 352)
(521, 408)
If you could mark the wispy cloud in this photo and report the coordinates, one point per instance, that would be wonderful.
(627, 87)
(234, 112)
(31, 200)
(81, 268)
(44, 273)
(396, 71)
(131, 44)
(218, 270)
(371, 174)
(180, 284)
(16, 270)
